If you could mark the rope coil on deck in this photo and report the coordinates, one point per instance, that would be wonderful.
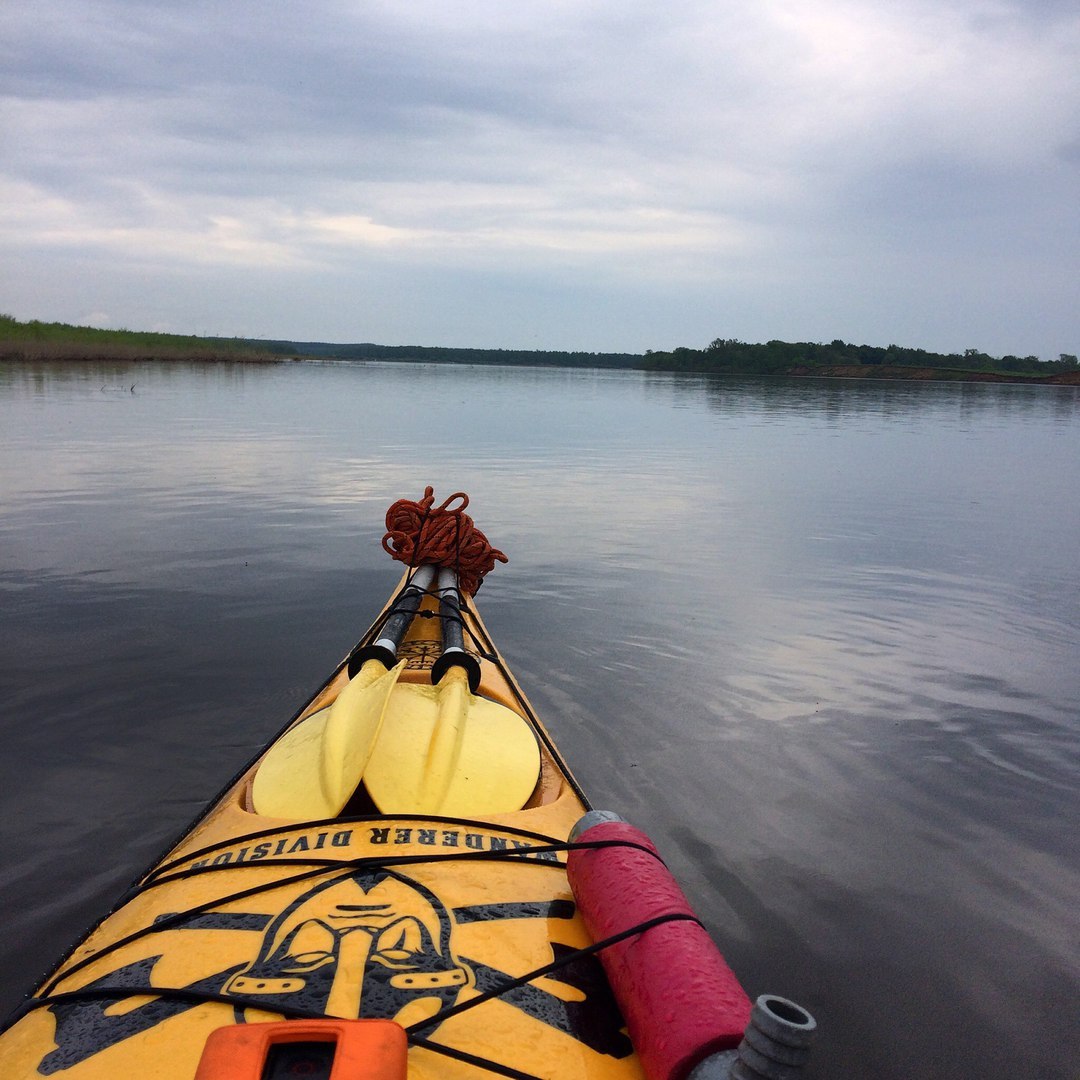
(443, 535)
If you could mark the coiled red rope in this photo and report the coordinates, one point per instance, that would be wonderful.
(420, 532)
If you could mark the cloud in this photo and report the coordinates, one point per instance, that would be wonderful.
(717, 146)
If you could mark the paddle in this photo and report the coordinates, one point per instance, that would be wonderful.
(313, 769)
(443, 750)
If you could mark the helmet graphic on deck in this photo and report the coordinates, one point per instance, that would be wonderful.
(371, 943)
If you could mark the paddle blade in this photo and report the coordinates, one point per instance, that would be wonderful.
(313, 769)
(444, 751)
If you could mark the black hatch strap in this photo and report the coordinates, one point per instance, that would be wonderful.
(512, 984)
(547, 969)
(472, 1059)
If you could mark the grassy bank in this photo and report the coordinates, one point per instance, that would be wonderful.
(36, 340)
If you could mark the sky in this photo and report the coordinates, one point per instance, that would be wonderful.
(603, 175)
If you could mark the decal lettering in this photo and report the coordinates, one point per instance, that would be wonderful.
(379, 836)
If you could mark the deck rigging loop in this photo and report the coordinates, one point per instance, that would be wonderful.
(444, 535)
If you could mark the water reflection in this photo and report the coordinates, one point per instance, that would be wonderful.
(818, 637)
(844, 399)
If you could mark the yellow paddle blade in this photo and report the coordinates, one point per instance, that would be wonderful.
(311, 771)
(444, 751)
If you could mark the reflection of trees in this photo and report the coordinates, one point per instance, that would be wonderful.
(833, 399)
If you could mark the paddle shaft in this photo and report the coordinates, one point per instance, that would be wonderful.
(385, 647)
(453, 633)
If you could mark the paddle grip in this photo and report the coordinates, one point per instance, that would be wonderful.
(680, 999)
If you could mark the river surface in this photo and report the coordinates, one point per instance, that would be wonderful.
(820, 638)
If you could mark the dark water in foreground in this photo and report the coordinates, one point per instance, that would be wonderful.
(819, 638)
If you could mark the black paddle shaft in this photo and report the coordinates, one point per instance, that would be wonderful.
(453, 633)
(384, 648)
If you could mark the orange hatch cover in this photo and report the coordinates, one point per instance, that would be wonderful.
(315, 1049)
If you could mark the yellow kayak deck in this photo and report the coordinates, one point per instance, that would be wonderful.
(461, 929)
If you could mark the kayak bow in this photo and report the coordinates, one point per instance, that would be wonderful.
(406, 882)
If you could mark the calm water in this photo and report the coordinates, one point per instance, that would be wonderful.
(819, 638)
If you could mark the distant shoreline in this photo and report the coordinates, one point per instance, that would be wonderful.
(18, 353)
(40, 342)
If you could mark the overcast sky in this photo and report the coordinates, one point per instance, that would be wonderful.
(600, 174)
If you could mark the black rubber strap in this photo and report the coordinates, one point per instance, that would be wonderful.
(196, 997)
(555, 965)
(319, 867)
(472, 1059)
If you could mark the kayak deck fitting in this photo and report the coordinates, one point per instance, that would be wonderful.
(406, 882)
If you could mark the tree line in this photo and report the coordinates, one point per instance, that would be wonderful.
(437, 354)
(783, 357)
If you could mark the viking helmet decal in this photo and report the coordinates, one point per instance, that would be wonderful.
(365, 943)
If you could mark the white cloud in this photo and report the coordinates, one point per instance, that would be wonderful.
(717, 146)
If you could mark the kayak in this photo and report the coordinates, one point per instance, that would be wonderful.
(407, 881)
